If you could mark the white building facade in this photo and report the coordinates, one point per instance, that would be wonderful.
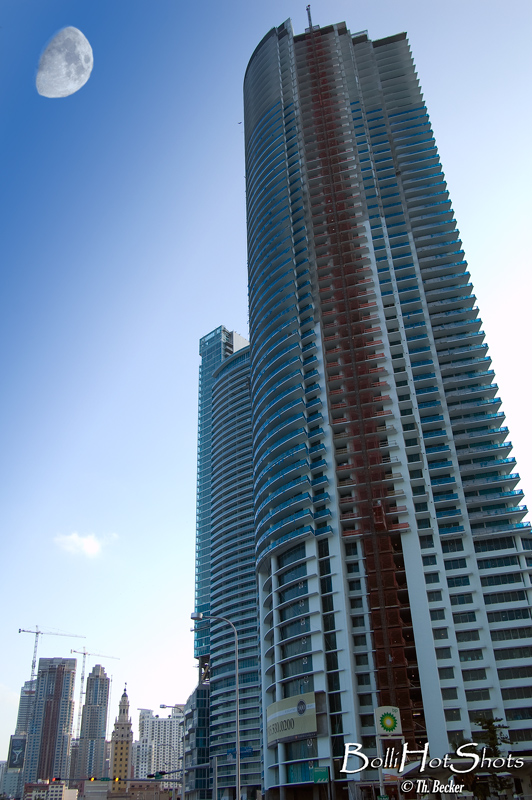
(160, 744)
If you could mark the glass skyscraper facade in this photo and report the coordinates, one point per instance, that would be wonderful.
(91, 745)
(214, 348)
(393, 563)
(233, 584)
(225, 574)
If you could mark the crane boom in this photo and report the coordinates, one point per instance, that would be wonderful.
(37, 632)
(85, 653)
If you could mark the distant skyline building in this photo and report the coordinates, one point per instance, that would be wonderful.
(121, 741)
(213, 348)
(25, 707)
(393, 564)
(11, 780)
(91, 744)
(48, 747)
(160, 744)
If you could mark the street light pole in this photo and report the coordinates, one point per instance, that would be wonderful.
(197, 616)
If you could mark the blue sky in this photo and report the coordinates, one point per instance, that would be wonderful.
(123, 217)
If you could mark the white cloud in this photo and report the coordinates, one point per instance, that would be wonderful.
(76, 544)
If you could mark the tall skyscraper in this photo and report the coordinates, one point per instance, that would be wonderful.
(392, 560)
(214, 347)
(121, 740)
(11, 781)
(91, 746)
(225, 511)
(48, 747)
(233, 583)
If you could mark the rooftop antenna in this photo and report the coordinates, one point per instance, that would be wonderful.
(309, 17)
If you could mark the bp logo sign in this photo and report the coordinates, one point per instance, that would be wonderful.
(388, 721)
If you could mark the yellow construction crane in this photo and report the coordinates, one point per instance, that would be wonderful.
(84, 653)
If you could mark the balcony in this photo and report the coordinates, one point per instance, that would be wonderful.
(435, 466)
(509, 511)
(481, 378)
(494, 447)
(517, 527)
(496, 496)
(449, 512)
(510, 479)
(465, 394)
(443, 498)
(473, 435)
(486, 466)
(442, 481)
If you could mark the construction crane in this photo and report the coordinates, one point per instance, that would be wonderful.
(84, 653)
(37, 632)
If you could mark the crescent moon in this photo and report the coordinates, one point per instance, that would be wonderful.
(65, 65)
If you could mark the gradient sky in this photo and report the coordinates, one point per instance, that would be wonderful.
(123, 242)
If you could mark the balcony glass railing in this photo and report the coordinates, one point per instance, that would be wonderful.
(442, 481)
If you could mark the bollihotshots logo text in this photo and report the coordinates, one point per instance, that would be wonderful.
(466, 759)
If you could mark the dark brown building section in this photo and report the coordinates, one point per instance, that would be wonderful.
(51, 722)
(357, 382)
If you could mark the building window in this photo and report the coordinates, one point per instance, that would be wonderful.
(471, 655)
(449, 694)
(452, 714)
(467, 636)
(463, 617)
(458, 580)
(474, 695)
(474, 674)
(452, 546)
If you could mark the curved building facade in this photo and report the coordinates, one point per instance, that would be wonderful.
(386, 511)
(233, 583)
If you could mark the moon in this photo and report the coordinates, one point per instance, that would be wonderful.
(65, 65)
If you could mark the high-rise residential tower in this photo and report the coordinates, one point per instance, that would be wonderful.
(91, 745)
(48, 747)
(11, 782)
(160, 745)
(233, 582)
(393, 563)
(214, 347)
(225, 413)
